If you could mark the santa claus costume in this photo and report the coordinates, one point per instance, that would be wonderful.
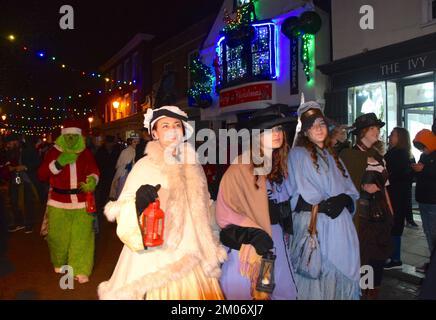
(70, 170)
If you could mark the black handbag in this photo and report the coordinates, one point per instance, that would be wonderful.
(373, 207)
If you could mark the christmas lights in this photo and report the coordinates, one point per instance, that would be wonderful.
(306, 54)
(41, 54)
(199, 94)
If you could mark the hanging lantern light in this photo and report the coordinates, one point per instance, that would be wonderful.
(265, 281)
(152, 225)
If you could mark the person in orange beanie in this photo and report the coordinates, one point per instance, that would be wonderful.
(425, 194)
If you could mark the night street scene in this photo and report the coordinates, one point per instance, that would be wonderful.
(218, 150)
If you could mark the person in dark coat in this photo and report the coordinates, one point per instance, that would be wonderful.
(22, 161)
(106, 158)
(425, 192)
(140, 147)
(399, 160)
(5, 265)
(373, 219)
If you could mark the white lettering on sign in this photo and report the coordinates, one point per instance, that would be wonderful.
(390, 68)
(414, 63)
(410, 64)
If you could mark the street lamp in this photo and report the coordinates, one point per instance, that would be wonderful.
(116, 104)
(4, 117)
(11, 37)
(90, 120)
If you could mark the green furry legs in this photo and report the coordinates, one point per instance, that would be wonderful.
(71, 239)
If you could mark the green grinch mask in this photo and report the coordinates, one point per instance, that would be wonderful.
(71, 143)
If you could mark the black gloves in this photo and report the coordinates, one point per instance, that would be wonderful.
(145, 195)
(234, 236)
(333, 206)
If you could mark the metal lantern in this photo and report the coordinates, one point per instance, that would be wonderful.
(152, 225)
(265, 281)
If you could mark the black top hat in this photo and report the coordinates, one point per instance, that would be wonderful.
(269, 117)
(365, 121)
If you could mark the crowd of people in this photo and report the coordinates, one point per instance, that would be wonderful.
(34, 187)
(300, 230)
(324, 210)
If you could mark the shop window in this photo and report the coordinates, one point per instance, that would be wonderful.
(392, 106)
(368, 98)
(417, 119)
(419, 93)
(249, 61)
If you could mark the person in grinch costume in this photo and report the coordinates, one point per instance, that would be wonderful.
(72, 172)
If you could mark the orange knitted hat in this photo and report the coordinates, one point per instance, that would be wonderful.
(427, 138)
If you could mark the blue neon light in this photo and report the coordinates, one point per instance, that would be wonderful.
(273, 56)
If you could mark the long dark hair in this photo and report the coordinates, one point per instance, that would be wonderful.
(403, 140)
(279, 170)
(304, 141)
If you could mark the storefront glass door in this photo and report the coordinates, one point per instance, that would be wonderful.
(418, 109)
(417, 119)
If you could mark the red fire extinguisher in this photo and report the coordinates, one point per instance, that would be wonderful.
(152, 225)
(90, 202)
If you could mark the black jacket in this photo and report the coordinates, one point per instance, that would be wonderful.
(426, 180)
(398, 165)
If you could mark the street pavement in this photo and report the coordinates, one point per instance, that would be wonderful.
(33, 276)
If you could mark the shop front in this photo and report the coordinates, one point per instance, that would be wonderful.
(261, 53)
(395, 82)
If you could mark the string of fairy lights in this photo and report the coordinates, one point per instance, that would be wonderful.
(124, 85)
(24, 114)
(42, 54)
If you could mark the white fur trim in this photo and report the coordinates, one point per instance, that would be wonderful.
(112, 210)
(71, 130)
(64, 205)
(53, 168)
(137, 289)
(73, 181)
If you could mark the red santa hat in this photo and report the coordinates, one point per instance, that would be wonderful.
(71, 127)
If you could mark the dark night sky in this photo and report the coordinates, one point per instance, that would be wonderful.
(101, 29)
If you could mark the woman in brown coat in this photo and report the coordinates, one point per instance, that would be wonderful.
(374, 214)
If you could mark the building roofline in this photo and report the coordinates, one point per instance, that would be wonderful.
(133, 43)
